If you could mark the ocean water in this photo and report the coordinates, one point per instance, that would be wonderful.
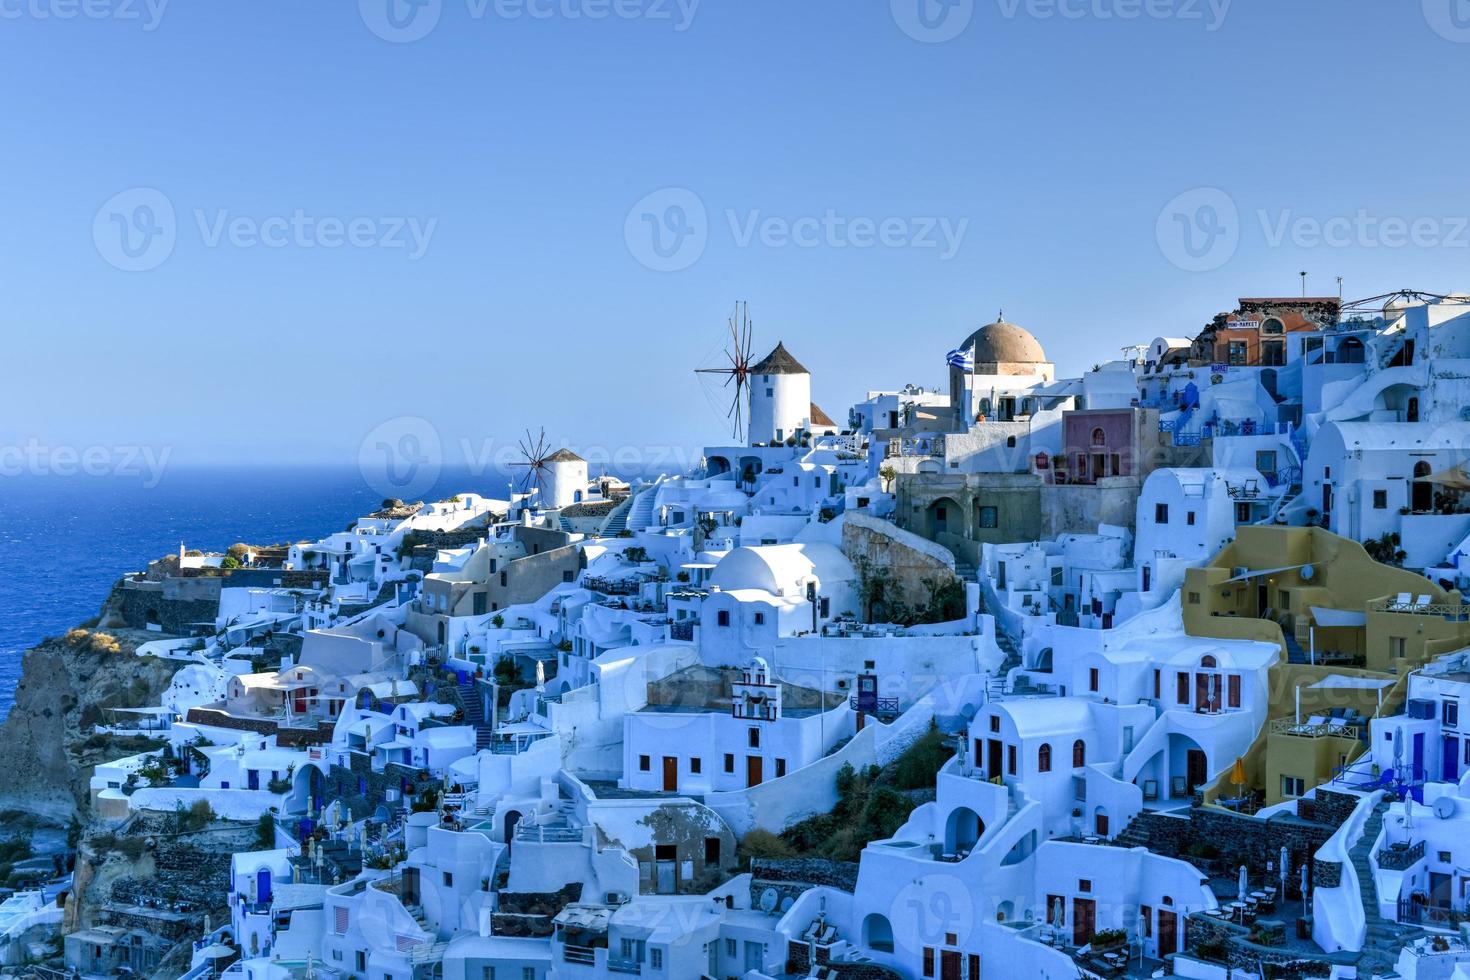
(64, 540)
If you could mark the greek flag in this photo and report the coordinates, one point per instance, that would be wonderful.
(959, 358)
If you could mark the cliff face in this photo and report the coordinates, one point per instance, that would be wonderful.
(47, 745)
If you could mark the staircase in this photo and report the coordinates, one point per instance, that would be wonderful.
(472, 703)
(1384, 938)
(617, 521)
(640, 515)
(1133, 835)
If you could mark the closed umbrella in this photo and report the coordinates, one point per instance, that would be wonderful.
(1244, 887)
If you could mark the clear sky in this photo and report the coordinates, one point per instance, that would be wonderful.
(255, 231)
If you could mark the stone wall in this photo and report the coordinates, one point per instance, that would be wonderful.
(140, 604)
(1235, 837)
(904, 559)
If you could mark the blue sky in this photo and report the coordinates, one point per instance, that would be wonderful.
(449, 228)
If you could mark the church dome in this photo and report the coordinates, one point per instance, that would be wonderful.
(1002, 342)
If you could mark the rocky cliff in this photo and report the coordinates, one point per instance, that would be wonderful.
(48, 744)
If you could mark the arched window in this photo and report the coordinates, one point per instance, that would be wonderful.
(1079, 754)
(1043, 758)
(1207, 661)
(1099, 438)
(1421, 468)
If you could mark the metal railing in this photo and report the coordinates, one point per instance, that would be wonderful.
(1413, 607)
(1401, 858)
(1336, 729)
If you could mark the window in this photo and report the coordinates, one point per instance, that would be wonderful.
(1011, 759)
(448, 879)
(1056, 576)
(1181, 688)
(753, 738)
(928, 961)
(1189, 518)
(1079, 754)
(568, 575)
(760, 619)
(1092, 679)
(1291, 786)
(780, 768)
(995, 723)
(656, 958)
(1380, 500)
(643, 763)
(1444, 857)
(1084, 885)
(1146, 920)
(1043, 758)
(1237, 352)
(1194, 598)
(1396, 647)
(696, 764)
(1232, 687)
(1161, 513)
(729, 762)
(1266, 461)
(1157, 692)
(730, 947)
(711, 852)
(502, 579)
(487, 973)
(989, 517)
(528, 973)
(723, 617)
(1450, 713)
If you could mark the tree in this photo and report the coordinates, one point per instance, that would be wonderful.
(887, 474)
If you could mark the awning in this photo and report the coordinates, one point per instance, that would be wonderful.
(1454, 478)
(1338, 617)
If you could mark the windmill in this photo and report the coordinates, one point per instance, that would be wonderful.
(738, 370)
(536, 455)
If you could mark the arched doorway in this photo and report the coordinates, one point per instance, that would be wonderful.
(512, 818)
(878, 933)
(1422, 493)
(1101, 824)
(962, 830)
(945, 516)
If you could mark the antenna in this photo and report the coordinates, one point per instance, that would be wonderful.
(1304, 285)
(738, 370)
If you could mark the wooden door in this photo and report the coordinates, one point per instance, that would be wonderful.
(1197, 768)
(671, 774)
(1168, 933)
(1102, 825)
(1084, 920)
(753, 770)
(949, 964)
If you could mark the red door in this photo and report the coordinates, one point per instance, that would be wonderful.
(1102, 825)
(1168, 933)
(949, 964)
(753, 770)
(1084, 920)
(671, 774)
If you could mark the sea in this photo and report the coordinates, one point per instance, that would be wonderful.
(64, 540)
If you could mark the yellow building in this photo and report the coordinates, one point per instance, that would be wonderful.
(1350, 630)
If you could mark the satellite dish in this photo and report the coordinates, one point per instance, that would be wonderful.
(769, 900)
(1307, 572)
(786, 903)
(1444, 807)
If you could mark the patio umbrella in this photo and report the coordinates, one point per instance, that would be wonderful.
(1237, 776)
(1244, 885)
(1285, 860)
(1304, 884)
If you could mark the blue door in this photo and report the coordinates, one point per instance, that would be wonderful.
(1416, 770)
(252, 779)
(263, 885)
(1451, 758)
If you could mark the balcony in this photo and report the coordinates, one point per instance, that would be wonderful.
(1322, 729)
(581, 955)
(630, 967)
(1400, 857)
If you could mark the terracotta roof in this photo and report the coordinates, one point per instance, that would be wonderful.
(779, 361)
(820, 417)
(564, 456)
